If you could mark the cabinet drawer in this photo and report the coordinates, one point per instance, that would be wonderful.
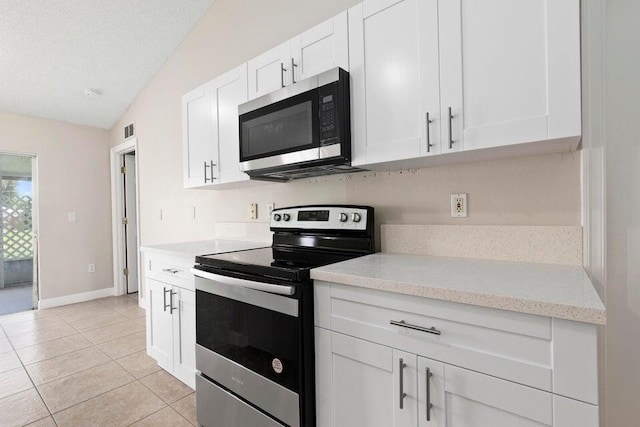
(174, 271)
(508, 345)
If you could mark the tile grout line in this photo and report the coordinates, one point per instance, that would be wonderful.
(165, 402)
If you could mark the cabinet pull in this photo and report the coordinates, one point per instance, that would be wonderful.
(293, 71)
(205, 172)
(211, 169)
(170, 270)
(451, 141)
(402, 393)
(171, 307)
(429, 144)
(429, 404)
(164, 298)
(403, 324)
(282, 70)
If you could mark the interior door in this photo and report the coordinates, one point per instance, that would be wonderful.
(131, 226)
(393, 53)
(321, 48)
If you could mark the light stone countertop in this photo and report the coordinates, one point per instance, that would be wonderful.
(554, 290)
(203, 247)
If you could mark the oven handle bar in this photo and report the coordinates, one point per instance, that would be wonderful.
(232, 281)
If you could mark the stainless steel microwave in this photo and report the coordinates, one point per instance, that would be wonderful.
(298, 131)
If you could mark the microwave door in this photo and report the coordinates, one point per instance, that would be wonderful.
(282, 133)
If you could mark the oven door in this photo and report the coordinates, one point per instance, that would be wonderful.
(247, 341)
(281, 133)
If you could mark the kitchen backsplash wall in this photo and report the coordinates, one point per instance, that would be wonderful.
(541, 190)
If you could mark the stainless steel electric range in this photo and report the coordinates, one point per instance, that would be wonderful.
(254, 318)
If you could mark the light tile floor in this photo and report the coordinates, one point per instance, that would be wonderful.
(86, 365)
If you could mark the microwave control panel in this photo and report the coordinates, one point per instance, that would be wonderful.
(329, 122)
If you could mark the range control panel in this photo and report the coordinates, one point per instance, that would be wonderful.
(320, 218)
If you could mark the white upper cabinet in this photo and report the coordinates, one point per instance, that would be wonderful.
(197, 136)
(229, 91)
(210, 126)
(319, 49)
(510, 71)
(269, 71)
(393, 48)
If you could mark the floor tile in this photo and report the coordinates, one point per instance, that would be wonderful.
(73, 389)
(14, 381)
(120, 407)
(140, 320)
(53, 348)
(99, 321)
(22, 408)
(168, 387)
(139, 364)
(84, 312)
(112, 332)
(45, 422)
(8, 361)
(67, 364)
(114, 302)
(5, 345)
(132, 312)
(2, 334)
(33, 325)
(124, 346)
(42, 335)
(187, 408)
(166, 417)
(23, 316)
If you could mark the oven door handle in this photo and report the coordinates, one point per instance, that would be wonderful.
(232, 281)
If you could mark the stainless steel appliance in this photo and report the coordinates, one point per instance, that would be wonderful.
(298, 131)
(254, 318)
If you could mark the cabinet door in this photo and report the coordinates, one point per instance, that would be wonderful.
(270, 71)
(197, 121)
(431, 397)
(229, 91)
(359, 383)
(393, 54)
(321, 48)
(184, 337)
(160, 324)
(473, 399)
(510, 71)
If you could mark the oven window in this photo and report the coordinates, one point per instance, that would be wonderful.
(259, 339)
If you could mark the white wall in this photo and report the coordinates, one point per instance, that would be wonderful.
(542, 190)
(73, 176)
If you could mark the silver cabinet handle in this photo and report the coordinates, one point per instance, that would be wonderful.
(282, 70)
(429, 144)
(170, 270)
(171, 307)
(402, 393)
(293, 71)
(404, 324)
(205, 172)
(451, 141)
(211, 169)
(164, 298)
(429, 404)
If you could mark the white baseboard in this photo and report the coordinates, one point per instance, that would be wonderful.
(74, 298)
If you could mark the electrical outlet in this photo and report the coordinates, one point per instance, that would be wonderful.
(253, 211)
(71, 216)
(92, 268)
(459, 205)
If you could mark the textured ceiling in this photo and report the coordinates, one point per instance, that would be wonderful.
(52, 50)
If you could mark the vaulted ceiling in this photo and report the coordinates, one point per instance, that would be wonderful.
(52, 51)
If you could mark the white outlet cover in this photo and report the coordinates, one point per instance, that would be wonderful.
(253, 211)
(71, 216)
(92, 268)
(459, 212)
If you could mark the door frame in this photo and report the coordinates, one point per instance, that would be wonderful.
(117, 207)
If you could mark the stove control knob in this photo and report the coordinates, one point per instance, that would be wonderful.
(276, 217)
(355, 217)
(344, 217)
(286, 217)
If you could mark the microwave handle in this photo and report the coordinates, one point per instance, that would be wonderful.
(232, 281)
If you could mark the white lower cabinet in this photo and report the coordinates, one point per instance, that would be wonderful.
(171, 319)
(370, 372)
